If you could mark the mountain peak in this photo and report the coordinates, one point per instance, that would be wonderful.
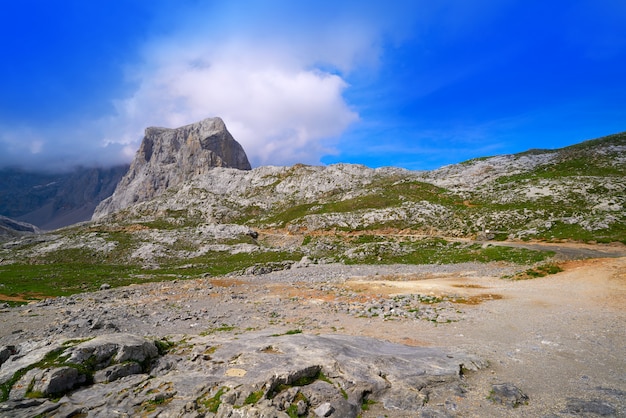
(169, 157)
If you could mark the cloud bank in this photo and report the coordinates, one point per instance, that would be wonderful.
(281, 112)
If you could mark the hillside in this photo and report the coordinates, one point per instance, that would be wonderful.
(54, 200)
(231, 220)
(338, 291)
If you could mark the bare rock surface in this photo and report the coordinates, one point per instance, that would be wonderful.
(10, 228)
(327, 340)
(169, 157)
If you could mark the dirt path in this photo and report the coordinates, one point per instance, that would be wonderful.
(560, 339)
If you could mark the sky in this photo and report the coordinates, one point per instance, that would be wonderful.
(416, 84)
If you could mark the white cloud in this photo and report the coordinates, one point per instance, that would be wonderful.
(279, 108)
(275, 73)
(57, 147)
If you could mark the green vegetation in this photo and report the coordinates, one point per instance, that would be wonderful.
(65, 274)
(380, 195)
(436, 250)
(55, 358)
(36, 281)
(213, 403)
(290, 332)
(223, 328)
(292, 410)
(85, 257)
(164, 345)
(541, 270)
(254, 397)
(365, 405)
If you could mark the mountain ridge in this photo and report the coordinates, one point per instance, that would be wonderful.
(54, 200)
(526, 195)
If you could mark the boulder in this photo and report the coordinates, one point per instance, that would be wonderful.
(112, 349)
(58, 380)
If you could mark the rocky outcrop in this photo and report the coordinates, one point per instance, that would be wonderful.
(255, 374)
(10, 228)
(574, 193)
(170, 157)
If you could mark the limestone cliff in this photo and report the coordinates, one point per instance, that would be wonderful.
(170, 157)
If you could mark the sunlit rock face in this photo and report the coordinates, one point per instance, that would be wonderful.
(170, 157)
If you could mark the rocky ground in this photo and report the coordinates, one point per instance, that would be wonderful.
(331, 340)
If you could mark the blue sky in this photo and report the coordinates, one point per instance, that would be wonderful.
(417, 84)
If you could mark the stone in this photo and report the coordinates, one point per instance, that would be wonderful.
(52, 200)
(6, 352)
(117, 371)
(508, 394)
(324, 410)
(57, 381)
(322, 375)
(20, 388)
(113, 348)
(10, 228)
(171, 157)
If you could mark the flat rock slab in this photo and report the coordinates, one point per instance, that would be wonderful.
(261, 375)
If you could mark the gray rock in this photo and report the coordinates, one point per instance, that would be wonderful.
(10, 228)
(27, 408)
(324, 410)
(20, 388)
(508, 394)
(53, 200)
(170, 157)
(325, 375)
(6, 352)
(58, 380)
(587, 407)
(117, 371)
(28, 355)
(112, 348)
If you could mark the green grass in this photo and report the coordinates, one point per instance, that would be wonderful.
(213, 403)
(381, 194)
(67, 272)
(615, 233)
(292, 410)
(223, 328)
(538, 271)
(254, 397)
(34, 281)
(290, 332)
(566, 168)
(302, 381)
(431, 251)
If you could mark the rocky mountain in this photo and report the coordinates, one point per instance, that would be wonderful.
(168, 158)
(10, 228)
(570, 193)
(54, 200)
(339, 213)
(201, 289)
